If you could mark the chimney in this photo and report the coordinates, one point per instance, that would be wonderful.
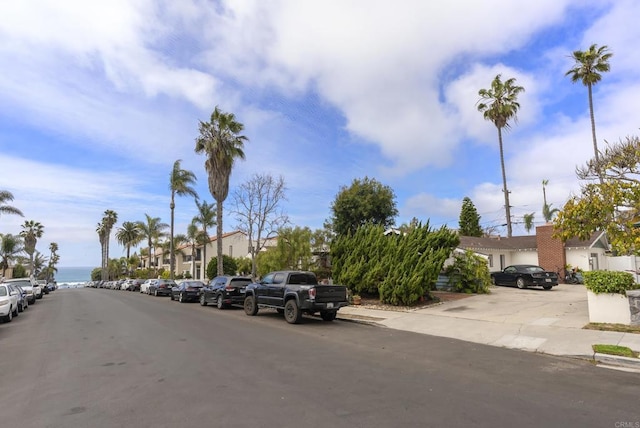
(551, 252)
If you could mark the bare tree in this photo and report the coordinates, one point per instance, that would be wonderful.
(258, 212)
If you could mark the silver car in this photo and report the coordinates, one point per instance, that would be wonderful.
(8, 302)
(33, 290)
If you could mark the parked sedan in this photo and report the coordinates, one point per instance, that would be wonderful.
(144, 287)
(23, 299)
(187, 290)
(224, 291)
(523, 276)
(162, 287)
(8, 302)
(29, 286)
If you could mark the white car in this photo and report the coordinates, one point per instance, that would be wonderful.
(32, 289)
(8, 302)
(144, 287)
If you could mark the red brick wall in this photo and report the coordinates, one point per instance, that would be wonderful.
(551, 252)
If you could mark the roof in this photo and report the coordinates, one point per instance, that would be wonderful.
(522, 243)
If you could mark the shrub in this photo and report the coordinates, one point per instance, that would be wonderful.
(469, 273)
(602, 281)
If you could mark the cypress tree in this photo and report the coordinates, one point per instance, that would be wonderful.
(469, 223)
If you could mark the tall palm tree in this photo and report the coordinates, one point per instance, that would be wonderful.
(101, 231)
(206, 218)
(172, 246)
(180, 183)
(544, 191)
(528, 222)
(499, 104)
(31, 231)
(152, 229)
(10, 249)
(129, 235)
(548, 212)
(54, 258)
(221, 142)
(587, 68)
(39, 263)
(6, 196)
(109, 219)
(194, 237)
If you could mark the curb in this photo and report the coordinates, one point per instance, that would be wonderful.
(617, 361)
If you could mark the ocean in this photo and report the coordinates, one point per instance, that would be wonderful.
(73, 275)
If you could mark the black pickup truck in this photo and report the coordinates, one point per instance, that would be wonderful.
(294, 293)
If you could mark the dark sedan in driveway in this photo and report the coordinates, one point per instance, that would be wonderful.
(162, 287)
(225, 290)
(523, 276)
(187, 290)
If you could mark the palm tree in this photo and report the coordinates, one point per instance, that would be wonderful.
(152, 229)
(172, 246)
(544, 191)
(548, 212)
(10, 248)
(528, 222)
(6, 196)
(206, 218)
(129, 235)
(587, 68)
(54, 258)
(39, 263)
(109, 219)
(100, 230)
(180, 183)
(221, 142)
(31, 231)
(499, 104)
(194, 237)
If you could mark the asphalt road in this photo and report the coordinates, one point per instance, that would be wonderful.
(103, 358)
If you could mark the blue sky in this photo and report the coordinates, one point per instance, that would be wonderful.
(97, 100)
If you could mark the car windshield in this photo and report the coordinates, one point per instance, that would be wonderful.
(3, 291)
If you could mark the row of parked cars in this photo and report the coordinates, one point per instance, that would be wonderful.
(17, 294)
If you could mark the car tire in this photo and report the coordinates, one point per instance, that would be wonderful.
(292, 313)
(547, 287)
(155, 293)
(181, 298)
(520, 283)
(9, 316)
(250, 306)
(171, 296)
(328, 315)
(203, 300)
(220, 302)
(20, 308)
(493, 280)
(16, 311)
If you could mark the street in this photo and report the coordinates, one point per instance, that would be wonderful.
(104, 358)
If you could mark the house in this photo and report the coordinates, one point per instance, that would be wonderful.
(541, 249)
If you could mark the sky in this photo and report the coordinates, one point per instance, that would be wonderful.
(99, 99)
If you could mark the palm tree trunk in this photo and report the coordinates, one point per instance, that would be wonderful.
(203, 262)
(171, 259)
(507, 208)
(593, 134)
(219, 236)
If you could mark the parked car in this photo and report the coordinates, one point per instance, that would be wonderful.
(43, 285)
(23, 300)
(187, 290)
(132, 284)
(162, 287)
(225, 290)
(8, 302)
(52, 286)
(27, 285)
(144, 287)
(523, 276)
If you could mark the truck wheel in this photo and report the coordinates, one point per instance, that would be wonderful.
(292, 313)
(328, 316)
(250, 306)
(547, 287)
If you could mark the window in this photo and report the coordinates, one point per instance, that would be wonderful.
(490, 260)
(502, 261)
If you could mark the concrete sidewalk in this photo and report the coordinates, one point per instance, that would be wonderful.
(532, 320)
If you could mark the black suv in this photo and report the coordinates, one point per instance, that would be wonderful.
(224, 291)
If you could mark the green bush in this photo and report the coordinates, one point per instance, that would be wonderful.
(229, 266)
(602, 281)
(469, 273)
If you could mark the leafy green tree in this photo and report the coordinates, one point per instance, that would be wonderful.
(220, 140)
(243, 265)
(6, 196)
(31, 231)
(469, 223)
(589, 65)
(366, 201)
(528, 221)
(181, 183)
(469, 273)
(206, 218)
(230, 267)
(293, 250)
(499, 104)
(10, 249)
(152, 230)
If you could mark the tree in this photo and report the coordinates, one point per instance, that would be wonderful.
(180, 183)
(152, 230)
(258, 211)
(469, 223)
(206, 218)
(221, 142)
(587, 68)
(10, 249)
(173, 245)
(31, 231)
(102, 236)
(194, 238)
(54, 258)
(109, 219)
(366, 201)
(612, 206)
(499, 104)
(293, 250)
(528, 222)
(548, 212)
(6, 196)
(129, 235)
(39, 264)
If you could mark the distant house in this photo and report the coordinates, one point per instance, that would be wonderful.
(541, 249)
